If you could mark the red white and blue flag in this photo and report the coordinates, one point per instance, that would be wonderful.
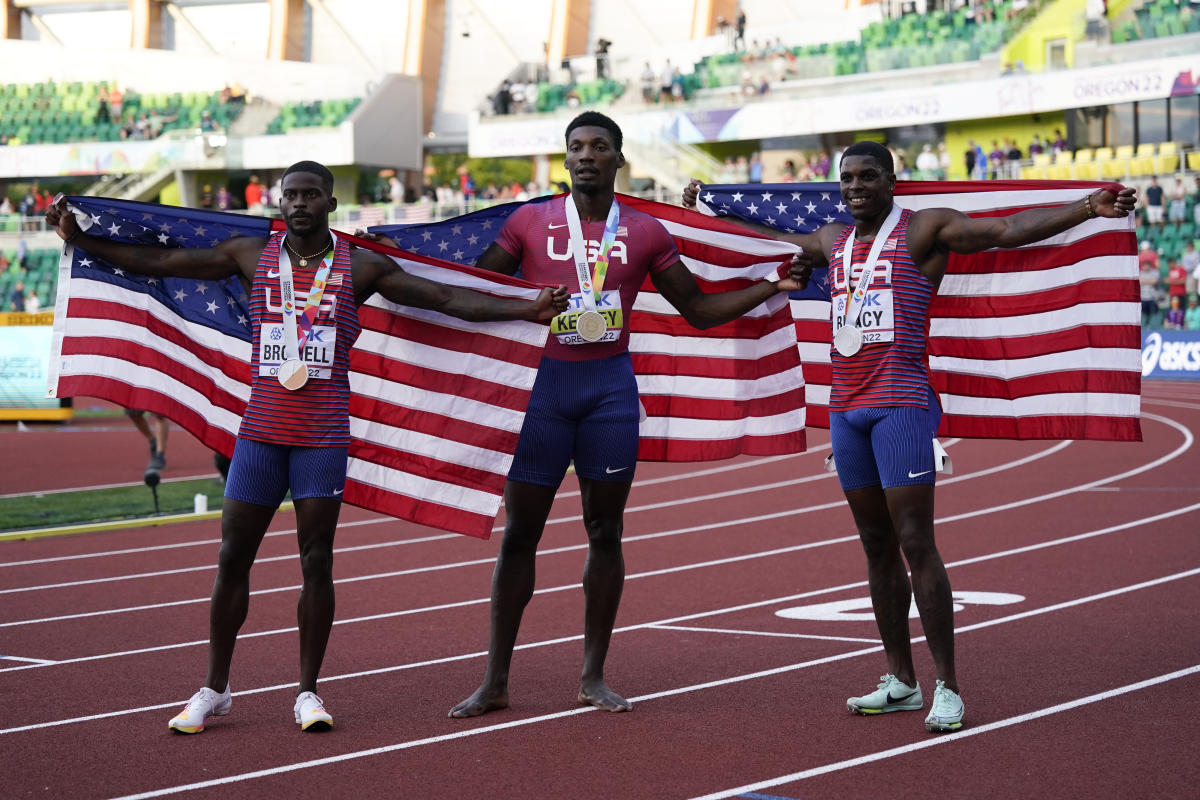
(1036, 342)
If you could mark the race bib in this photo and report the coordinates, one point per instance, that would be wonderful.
(876, 318)
(317, 353)
(608, 304)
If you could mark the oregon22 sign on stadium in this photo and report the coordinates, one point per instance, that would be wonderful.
(1171, 354)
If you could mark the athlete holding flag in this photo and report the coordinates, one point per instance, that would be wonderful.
(305, 288)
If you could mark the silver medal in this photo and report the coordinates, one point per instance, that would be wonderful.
(848, 340)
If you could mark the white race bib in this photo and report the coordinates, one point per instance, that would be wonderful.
(564, 326)
(318, 352)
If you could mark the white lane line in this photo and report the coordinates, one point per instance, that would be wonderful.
(630, 510)
(195, 543)
(669, 693)
(957, 736)
(1135, 524)
(778, 634)
(642, 626)
(382, 519)
(28, 660)
(97, 487)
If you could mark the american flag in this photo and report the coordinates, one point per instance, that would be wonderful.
(1038, 342)
(436, 403)
(731, 390)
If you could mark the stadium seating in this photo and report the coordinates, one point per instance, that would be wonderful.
(312, 114)
(40, 275)
(55, 113)
(1156, 20)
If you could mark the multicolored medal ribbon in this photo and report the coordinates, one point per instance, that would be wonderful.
(848, 337)
(293, 372)
(591, 324)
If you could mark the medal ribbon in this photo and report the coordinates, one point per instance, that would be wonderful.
(589, 286)
(854, 303)
(293, 340)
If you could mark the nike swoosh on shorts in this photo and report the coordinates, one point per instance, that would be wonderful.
(611, 471)
(912, 474)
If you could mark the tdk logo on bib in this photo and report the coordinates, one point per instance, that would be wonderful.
(1174, 355)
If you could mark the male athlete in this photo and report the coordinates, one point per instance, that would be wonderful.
(883, 412)
(584, 405)
(295, 431)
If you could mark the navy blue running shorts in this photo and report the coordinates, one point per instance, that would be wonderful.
(885, 446)
(261, 473)
(585, 411)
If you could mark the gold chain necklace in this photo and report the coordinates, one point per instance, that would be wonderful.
(304, 259)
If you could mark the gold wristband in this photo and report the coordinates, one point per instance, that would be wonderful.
(1087, 202)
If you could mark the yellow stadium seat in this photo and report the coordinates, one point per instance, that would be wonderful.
(1193, 160)
(1143, 162)
(1039, 170)
(1117, 164)
(1167, 159)
(1060, 172)
(1085, 167)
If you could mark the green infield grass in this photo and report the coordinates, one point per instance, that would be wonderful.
(101, 505)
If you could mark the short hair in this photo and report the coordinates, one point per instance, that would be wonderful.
(598, 120)
(312, 168)
(873, 150)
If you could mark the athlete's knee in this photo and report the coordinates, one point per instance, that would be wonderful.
(316, 563)
(604, 533)
(234, 560)
(919, 547)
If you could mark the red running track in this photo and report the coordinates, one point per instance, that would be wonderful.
(744, 627)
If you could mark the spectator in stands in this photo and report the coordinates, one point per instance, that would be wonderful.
(788, 175)
(739, 30)
(237, 94)
(1148, 284)
(666, 81)
(1175, 318)
(28, 206)
(602, 46)
(821, 168)
(1059, 144)
(1013, 159)
(1191, 318)
(647, 80)
(1147, 255)
(1196, 202)
(3, 261)
(742, 169)
(116, 103)
(102, 112)
(396, 190)
(502, 102)
(996, 161)
(207, 123)
(32, 304)
(927, 164)
(21, 253)
(1190, 259)
(255, 194)
(969, 159)
(16, 298)
(1035, 147)
(1178, 210)
(756, 168)
(6, 206)
(1154, 202)
(224, 199)
(1177, 278)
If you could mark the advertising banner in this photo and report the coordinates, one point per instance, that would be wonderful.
(1171, 354)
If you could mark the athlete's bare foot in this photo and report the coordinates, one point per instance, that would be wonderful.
(484, 700)
(599, 695)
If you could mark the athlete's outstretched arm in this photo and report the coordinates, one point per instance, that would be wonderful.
(962, 234)
(231, 257)
(497, 259)
(374, 272)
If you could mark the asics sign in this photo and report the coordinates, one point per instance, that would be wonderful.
(1171, 354)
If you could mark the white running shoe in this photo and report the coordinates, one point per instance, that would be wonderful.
(204, 704)
(311, 714)
(946, 713)
(892, 695)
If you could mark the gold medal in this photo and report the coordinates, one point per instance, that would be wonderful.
(293, 374)
(591, 326)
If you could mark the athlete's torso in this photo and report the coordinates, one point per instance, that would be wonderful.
(891, 369)
(537, 236)
(317, 414)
